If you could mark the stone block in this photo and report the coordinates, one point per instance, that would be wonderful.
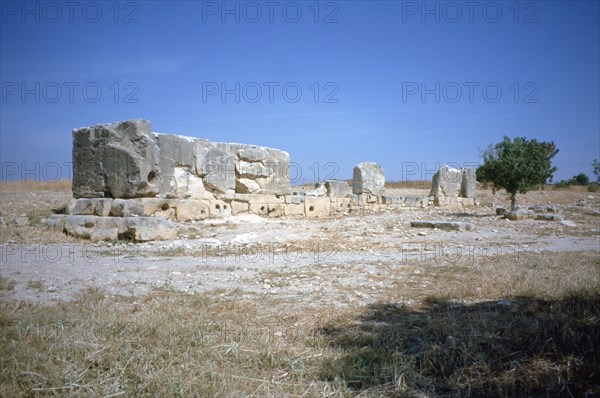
(238, 207)
(296, 209)
(368, 178)
(445, 225)
(336, 188)
(84, 206)
(276, 210)
(446, 182)
(468, 181)
(218, 208)
(119, 160)
(317, 207)
(188, 210)
(143, 229)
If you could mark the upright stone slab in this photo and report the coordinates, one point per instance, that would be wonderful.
(467, 186)
(446, 182)
(119, 160)
(368, 178)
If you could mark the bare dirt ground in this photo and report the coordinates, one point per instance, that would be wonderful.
(306, 307)
(333, 260)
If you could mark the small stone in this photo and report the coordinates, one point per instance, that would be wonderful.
(568, 223)
(21, 221)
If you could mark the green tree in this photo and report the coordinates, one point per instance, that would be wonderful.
(580, 179)
(517, 165)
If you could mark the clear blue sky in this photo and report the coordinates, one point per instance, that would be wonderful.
(371, 61)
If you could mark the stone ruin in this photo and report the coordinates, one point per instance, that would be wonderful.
(135, 184)
(453, 187)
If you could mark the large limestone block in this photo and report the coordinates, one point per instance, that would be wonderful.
(190, 209)
(445, 225)
(317, 207)
(218, 170)
(337, 189)
(119, 160)
(186, 184)
(467, 186)
(259, 199)
(218, 208)
(446, 182)
(84, 206)
(294, 209)
(368, 178)
(176, 155)
(246, 185)
(238, 207)
(143, 229)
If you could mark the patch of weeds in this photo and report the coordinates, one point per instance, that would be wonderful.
(36, 284)
(7, 284)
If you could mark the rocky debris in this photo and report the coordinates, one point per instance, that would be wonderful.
(21, 221)
(445, 225)
(501, 211)
(320, 190)
(368, 178)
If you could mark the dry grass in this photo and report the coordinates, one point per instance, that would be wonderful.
(438, 332)
(34, 186)
(37, 200)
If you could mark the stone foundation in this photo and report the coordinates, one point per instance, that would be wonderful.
(132, 183)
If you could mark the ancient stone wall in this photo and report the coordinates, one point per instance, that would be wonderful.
(128, 160)
(132, 183)
(453, 187)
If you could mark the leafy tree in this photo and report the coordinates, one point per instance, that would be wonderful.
(580, 179)
(517, 165)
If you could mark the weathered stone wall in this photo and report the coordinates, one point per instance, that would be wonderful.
(128, 160)
(132, 183)
(453, 187)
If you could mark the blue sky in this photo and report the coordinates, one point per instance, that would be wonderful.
(409, 85)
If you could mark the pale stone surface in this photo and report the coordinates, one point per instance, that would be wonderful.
(468, 181)
(336, 188)
(246, 185)
(98, 207)
(119, 160)
(317, 207)
(294, 209)
(127, 160)
(446, 225)
(319, 190)
(446, 182)
(238, 207)
(368, 178)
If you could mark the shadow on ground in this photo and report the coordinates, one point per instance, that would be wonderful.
(521, 347)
